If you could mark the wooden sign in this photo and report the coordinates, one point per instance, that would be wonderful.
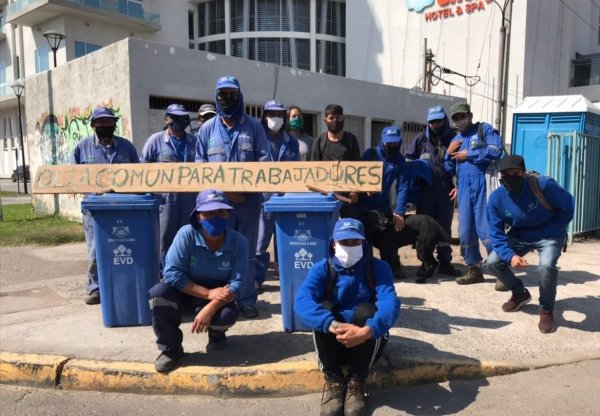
(194, 177)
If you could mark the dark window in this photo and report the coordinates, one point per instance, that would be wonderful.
(585, 70)
(331, 17)
(190, 25)
(216, 46)
(270, 15)
(211, 18)
(82, 48)
(161, 103)
(331, 57)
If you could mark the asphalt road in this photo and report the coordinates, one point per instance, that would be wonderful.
(562, 390)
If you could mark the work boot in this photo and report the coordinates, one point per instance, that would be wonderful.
(332, 400)
(516, 301)
(500, 287)
(249, 311)
(474, 275)
(449, 270)
(93, 298)
(546, 324)
(168, 360)
(422, 272)
(356, 398)
(398, 273)
(216, 340)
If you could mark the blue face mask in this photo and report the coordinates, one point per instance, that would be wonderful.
(214, 226)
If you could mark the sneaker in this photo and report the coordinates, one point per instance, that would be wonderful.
(93, 298)
(474, 275)
(448, 270)
(516, 301)
(356, 398)
(168, 360)
(216, 340)
(500, 287)
(249, 311)
(546, 324)
(332, 400)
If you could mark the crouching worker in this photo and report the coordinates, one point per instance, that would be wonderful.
(349, 302)
(203, 270)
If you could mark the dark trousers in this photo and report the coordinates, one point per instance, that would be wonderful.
(436, 203)
(168, 304)
(332, 355)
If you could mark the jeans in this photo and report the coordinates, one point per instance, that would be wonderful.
(266, 229)
(549, 250)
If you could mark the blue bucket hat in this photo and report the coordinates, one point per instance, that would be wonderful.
(273, 105)
(391, 134)
(228, 82)
(347, 228)
(177, 110)
(436, 113)
(103, 112)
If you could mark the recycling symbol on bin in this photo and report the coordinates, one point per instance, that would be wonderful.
(303, 255)
(122, 251)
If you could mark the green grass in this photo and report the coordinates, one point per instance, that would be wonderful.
(23, 227)
(10, 193)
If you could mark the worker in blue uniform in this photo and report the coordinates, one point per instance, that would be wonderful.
(204, 270)
(101, 148)
(234, 136)
(172, 145)
(349, 302)
(538, 212)
(468, 157)
(434, 199)
(394, 171)
(283, 147)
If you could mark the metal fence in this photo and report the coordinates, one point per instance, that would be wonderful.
(574, 162)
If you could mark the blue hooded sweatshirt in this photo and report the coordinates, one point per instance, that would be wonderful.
(528, 219)
(352, 289)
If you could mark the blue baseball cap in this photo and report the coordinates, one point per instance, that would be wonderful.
(347, 228)
(274, 105)
(436, 113)
(103, 112)
(228, 82)
(211, 200)
(391, 134)
(177, 110)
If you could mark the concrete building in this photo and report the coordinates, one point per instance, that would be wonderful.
(554, 47)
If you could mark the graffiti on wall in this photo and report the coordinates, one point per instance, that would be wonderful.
(59, 133)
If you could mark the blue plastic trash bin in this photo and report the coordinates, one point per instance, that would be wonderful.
(126, 232)
(304, 223)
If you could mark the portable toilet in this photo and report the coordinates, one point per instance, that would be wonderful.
(536, 117)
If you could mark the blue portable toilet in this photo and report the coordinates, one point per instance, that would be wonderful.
(536, 116)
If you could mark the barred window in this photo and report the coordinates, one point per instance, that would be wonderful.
(331, 17)
(270, 15)
(211, 17)
(331, 57)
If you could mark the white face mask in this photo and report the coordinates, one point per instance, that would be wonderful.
(460, 126)
(274, 123)
(348, 256)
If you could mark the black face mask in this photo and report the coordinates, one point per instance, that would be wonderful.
(335, 126)
(105, 132)
(513, 183)
(228, 101)
(390, 149)
(438, 131)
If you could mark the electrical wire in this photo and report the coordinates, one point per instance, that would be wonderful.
(580, 18)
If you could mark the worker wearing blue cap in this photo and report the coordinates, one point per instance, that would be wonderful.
(172, 145)
(434, 200)
(102, 147)
(394, 171)
(234, 136)
(283, 147)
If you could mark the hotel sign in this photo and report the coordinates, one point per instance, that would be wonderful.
(435, 10)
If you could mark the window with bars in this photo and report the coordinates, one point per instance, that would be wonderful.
(270, 15)
(331, 57)
(273, 50)
(331, 17)
(216, 46)
(211, 18)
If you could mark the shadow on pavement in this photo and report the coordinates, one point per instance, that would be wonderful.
(588, 307)
(421, 318)
(529, 275)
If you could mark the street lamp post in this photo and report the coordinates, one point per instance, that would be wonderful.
(502, 69)
(17, 169)
(54, 39)
(19, 88)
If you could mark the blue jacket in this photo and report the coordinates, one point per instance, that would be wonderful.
(479, 152)
(394, 169)
(426, 147)
(89, 151)
(289, 151)
(160, 148)
(244, 142)
(528, 219)
(190, 260)
(352, 289)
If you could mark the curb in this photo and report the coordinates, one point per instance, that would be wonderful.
(280, 379)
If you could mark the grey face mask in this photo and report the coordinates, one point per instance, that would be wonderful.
(461, 126)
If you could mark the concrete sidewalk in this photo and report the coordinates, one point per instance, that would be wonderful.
(48, 336)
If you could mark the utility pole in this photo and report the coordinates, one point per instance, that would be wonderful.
(425, 73)
(502, 70)
(427, 68)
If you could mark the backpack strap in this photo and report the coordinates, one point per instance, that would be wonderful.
(534, 184)
(480, 132)
(322, 145)
(332, 279)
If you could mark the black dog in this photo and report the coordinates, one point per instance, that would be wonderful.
(420, 231)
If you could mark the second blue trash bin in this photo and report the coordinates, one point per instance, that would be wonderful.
(126, 231)
(303, 226)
